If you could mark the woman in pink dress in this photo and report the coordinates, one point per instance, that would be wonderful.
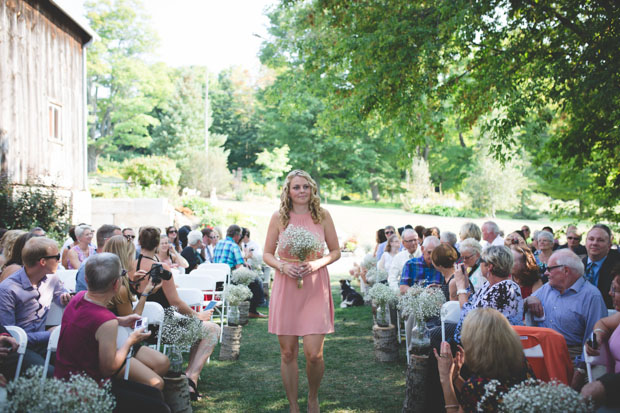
(306, 312)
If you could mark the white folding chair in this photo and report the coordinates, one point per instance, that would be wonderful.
(451, 313)
(155, 314)
(54, 315)
(68, 278)
(122, 336)
(193, 297)
(215, 266)
(596, 366)
(52, 345)
(22, 339)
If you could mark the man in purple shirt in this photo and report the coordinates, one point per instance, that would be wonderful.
(26, 296)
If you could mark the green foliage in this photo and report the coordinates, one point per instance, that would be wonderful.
(151, 170)
(444, 211)
(274, 163)
(202, 208)
(32, 206)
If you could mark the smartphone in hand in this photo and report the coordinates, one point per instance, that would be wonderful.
(211, 305)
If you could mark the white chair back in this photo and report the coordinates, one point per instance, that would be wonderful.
(22, 339)
(451, 313)
(52, 345)
(155, 314)
(68, 278)
(54, 315)
(213, 266)
(199, 281)
(596, 366)
(193, 297)
(121, 336)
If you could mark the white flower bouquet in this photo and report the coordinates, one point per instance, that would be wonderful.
(369, 262)
(181, 330)
(243, 276)
(376, 275)
(78, 394)
(536, 396)
(421, 303)
(301, 244)
(236, 294)
(382, 295)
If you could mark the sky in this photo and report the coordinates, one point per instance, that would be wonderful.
(215, 33)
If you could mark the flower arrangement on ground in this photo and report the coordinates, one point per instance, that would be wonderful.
(243, 276)
(536, 396)
(376, 275)
(79, 394)
(421, 303)
(382, 297)
(236, 294)
(301, 244)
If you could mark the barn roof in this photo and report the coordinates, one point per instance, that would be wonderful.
(65, 19)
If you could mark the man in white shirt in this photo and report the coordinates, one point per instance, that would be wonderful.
(490, 235)
(412, 250)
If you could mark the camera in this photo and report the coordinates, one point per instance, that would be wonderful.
(158, 273)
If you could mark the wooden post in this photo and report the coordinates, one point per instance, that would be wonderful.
(231, 343)
(176, 394)
(244, 311)
(386, 346)
(415, 395)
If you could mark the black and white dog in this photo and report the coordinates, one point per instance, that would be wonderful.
(350, 297)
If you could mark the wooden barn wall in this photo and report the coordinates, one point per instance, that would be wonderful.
(40, 63)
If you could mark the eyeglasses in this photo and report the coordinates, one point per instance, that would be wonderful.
(49, 257)
(172, 231)
(553, 267)
(130, 237)
(466, 258)
(574, 238)
(389, 232)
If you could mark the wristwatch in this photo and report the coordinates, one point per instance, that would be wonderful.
(462, 291)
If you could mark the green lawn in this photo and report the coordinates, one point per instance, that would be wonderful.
(353, 381)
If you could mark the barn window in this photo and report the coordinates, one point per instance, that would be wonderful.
(55, 121)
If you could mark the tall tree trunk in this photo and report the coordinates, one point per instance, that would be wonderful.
(93, 156)
(374, 189)
(461, 140)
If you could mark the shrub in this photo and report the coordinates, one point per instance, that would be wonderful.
(151, 170)
(33, 206)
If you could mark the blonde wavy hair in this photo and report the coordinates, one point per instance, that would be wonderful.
(286, 204)
(492, 347)
(126, 252)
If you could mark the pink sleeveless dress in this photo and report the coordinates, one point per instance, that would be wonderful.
(301, 311)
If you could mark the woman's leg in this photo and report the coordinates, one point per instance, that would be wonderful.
(139, 372)
(315, 366)
(154, 360)
(289, 349)
(200, 352)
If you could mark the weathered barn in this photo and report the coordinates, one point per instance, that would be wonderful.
(43, 99)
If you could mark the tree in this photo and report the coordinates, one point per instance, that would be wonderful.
(122, 88)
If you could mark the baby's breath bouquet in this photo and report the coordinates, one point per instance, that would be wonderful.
(180, 330)
(236, 294)
(535, 396)
(78, 394)
(301, 244)
(369, 262)
(421, 303)
(243, 276)
(382, 295)
(376, 275)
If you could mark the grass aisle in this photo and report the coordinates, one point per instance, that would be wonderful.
(353, 381)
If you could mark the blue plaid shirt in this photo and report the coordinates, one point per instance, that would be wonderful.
(228, 252)
(416, 271)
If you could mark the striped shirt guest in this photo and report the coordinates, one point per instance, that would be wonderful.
(421, 270)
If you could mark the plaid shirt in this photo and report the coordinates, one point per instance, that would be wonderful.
(228, 252)
(416, 271)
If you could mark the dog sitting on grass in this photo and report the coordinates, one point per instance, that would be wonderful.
(350, 297)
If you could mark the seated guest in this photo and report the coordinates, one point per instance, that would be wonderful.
(252, 252)
(173, 238)
(14, 261)
(183, 231)
(499, 292)
(490, 235)
(573, 241)
(87, 342)
(515, 238)
(380, 238)
(600, 260)
(389, 230)
(129, 234)
(491, 351)
(470, 254)
(470, 230)
(449, 238)
(568, 303)
(525, 270)
(190, 253)
(209, 239)
(69, 243)
(443, 258)
(545, 249)
(83, 249)
(167, 254)
(420, 270)
(391, 249)
(606, 329)
(167, 296)
(412, 250)
(104, 233)
(26, 296)
(525, 230)
(6, 245)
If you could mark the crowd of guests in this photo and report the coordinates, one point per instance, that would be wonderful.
(114, 280)
(505, 280)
